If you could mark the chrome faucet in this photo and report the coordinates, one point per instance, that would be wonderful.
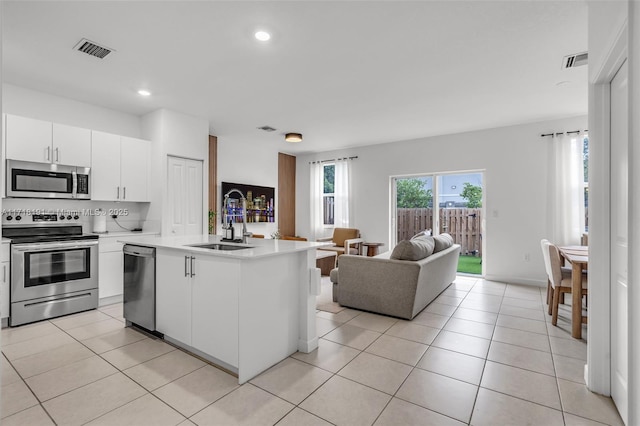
(226, 225)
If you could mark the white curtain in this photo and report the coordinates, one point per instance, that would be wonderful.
(341, 191)
(566, 192)
(316, 180)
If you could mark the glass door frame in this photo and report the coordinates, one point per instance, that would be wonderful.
(393, 194)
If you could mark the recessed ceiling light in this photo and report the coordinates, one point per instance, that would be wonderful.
(262, 35)
(143, 92)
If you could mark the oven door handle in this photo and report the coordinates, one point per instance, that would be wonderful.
(47, 246)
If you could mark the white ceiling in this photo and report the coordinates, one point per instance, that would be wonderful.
(342, 73)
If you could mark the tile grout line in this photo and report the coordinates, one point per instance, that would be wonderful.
(30, 390)
(484, 366)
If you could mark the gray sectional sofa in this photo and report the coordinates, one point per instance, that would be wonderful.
(400, 288)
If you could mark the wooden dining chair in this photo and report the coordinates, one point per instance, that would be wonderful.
(560, 281)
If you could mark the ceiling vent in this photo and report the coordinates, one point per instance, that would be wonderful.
(93, 49)
(577, 60)
(267, 128)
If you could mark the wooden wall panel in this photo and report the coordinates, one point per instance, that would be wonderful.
(287, 194)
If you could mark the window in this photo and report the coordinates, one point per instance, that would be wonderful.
(328, 193)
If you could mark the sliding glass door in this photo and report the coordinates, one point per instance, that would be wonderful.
(442, 203)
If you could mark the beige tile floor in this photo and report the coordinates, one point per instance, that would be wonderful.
(483, 353)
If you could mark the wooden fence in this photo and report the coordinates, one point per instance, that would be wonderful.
(462, 224)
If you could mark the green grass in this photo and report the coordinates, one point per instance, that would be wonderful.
(470, 265)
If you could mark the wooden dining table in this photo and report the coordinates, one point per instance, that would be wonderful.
(578, 257)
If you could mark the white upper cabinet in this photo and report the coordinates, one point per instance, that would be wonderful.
(119, 167)
(134, 169)
(40, 141)
(29, 139)
(71, 145)
(105, 166)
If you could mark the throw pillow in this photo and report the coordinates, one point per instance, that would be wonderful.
(414, 249)
(442, 242)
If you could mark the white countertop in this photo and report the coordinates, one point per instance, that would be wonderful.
(116, 234)
(259, 247)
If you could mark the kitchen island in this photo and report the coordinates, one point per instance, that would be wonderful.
(244, 309)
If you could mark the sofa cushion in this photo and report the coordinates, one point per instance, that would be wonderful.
(414, 249)
(442, 242)
(333, 275)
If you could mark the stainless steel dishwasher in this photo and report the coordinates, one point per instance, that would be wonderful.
(140, 286)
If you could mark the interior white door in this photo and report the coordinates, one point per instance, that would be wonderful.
(185, 196)
(193, 192)
(175, 195)
(619, 240)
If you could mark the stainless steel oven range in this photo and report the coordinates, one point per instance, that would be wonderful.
(54, 269)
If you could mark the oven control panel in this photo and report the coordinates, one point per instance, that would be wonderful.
(27, 216)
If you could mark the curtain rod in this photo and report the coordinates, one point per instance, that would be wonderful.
(333, 159)
(572, 132)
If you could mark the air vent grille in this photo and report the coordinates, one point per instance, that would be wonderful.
(267, 128)
(573, 61)
(93, 49)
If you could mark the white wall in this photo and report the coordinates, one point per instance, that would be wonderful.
(242, 160)
(180, 135)
(43, 106)
(514, 160)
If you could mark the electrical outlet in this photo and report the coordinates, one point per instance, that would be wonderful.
(527, 257)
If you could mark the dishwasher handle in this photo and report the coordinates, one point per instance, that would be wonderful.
(139, 251)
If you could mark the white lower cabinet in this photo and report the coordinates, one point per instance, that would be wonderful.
(111, 264)
(197, 302)
(5, 282)
(110, 276)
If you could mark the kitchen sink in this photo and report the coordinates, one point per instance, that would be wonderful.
(218, 246)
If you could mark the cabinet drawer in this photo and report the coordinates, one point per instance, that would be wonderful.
(109, 245)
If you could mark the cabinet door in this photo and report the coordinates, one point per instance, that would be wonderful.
(4, 289)
(105, 166)
(215, 307)
(29, 139)
(173, 296)
(110, 273)
(134, 169)
(71, 145)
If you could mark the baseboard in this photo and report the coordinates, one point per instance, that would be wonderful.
(110, 300)
(307, 346)
(516, 280)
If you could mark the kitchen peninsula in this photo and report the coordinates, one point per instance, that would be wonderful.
(244, 307)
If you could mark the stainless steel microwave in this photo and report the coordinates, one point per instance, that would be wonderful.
(43, 180)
